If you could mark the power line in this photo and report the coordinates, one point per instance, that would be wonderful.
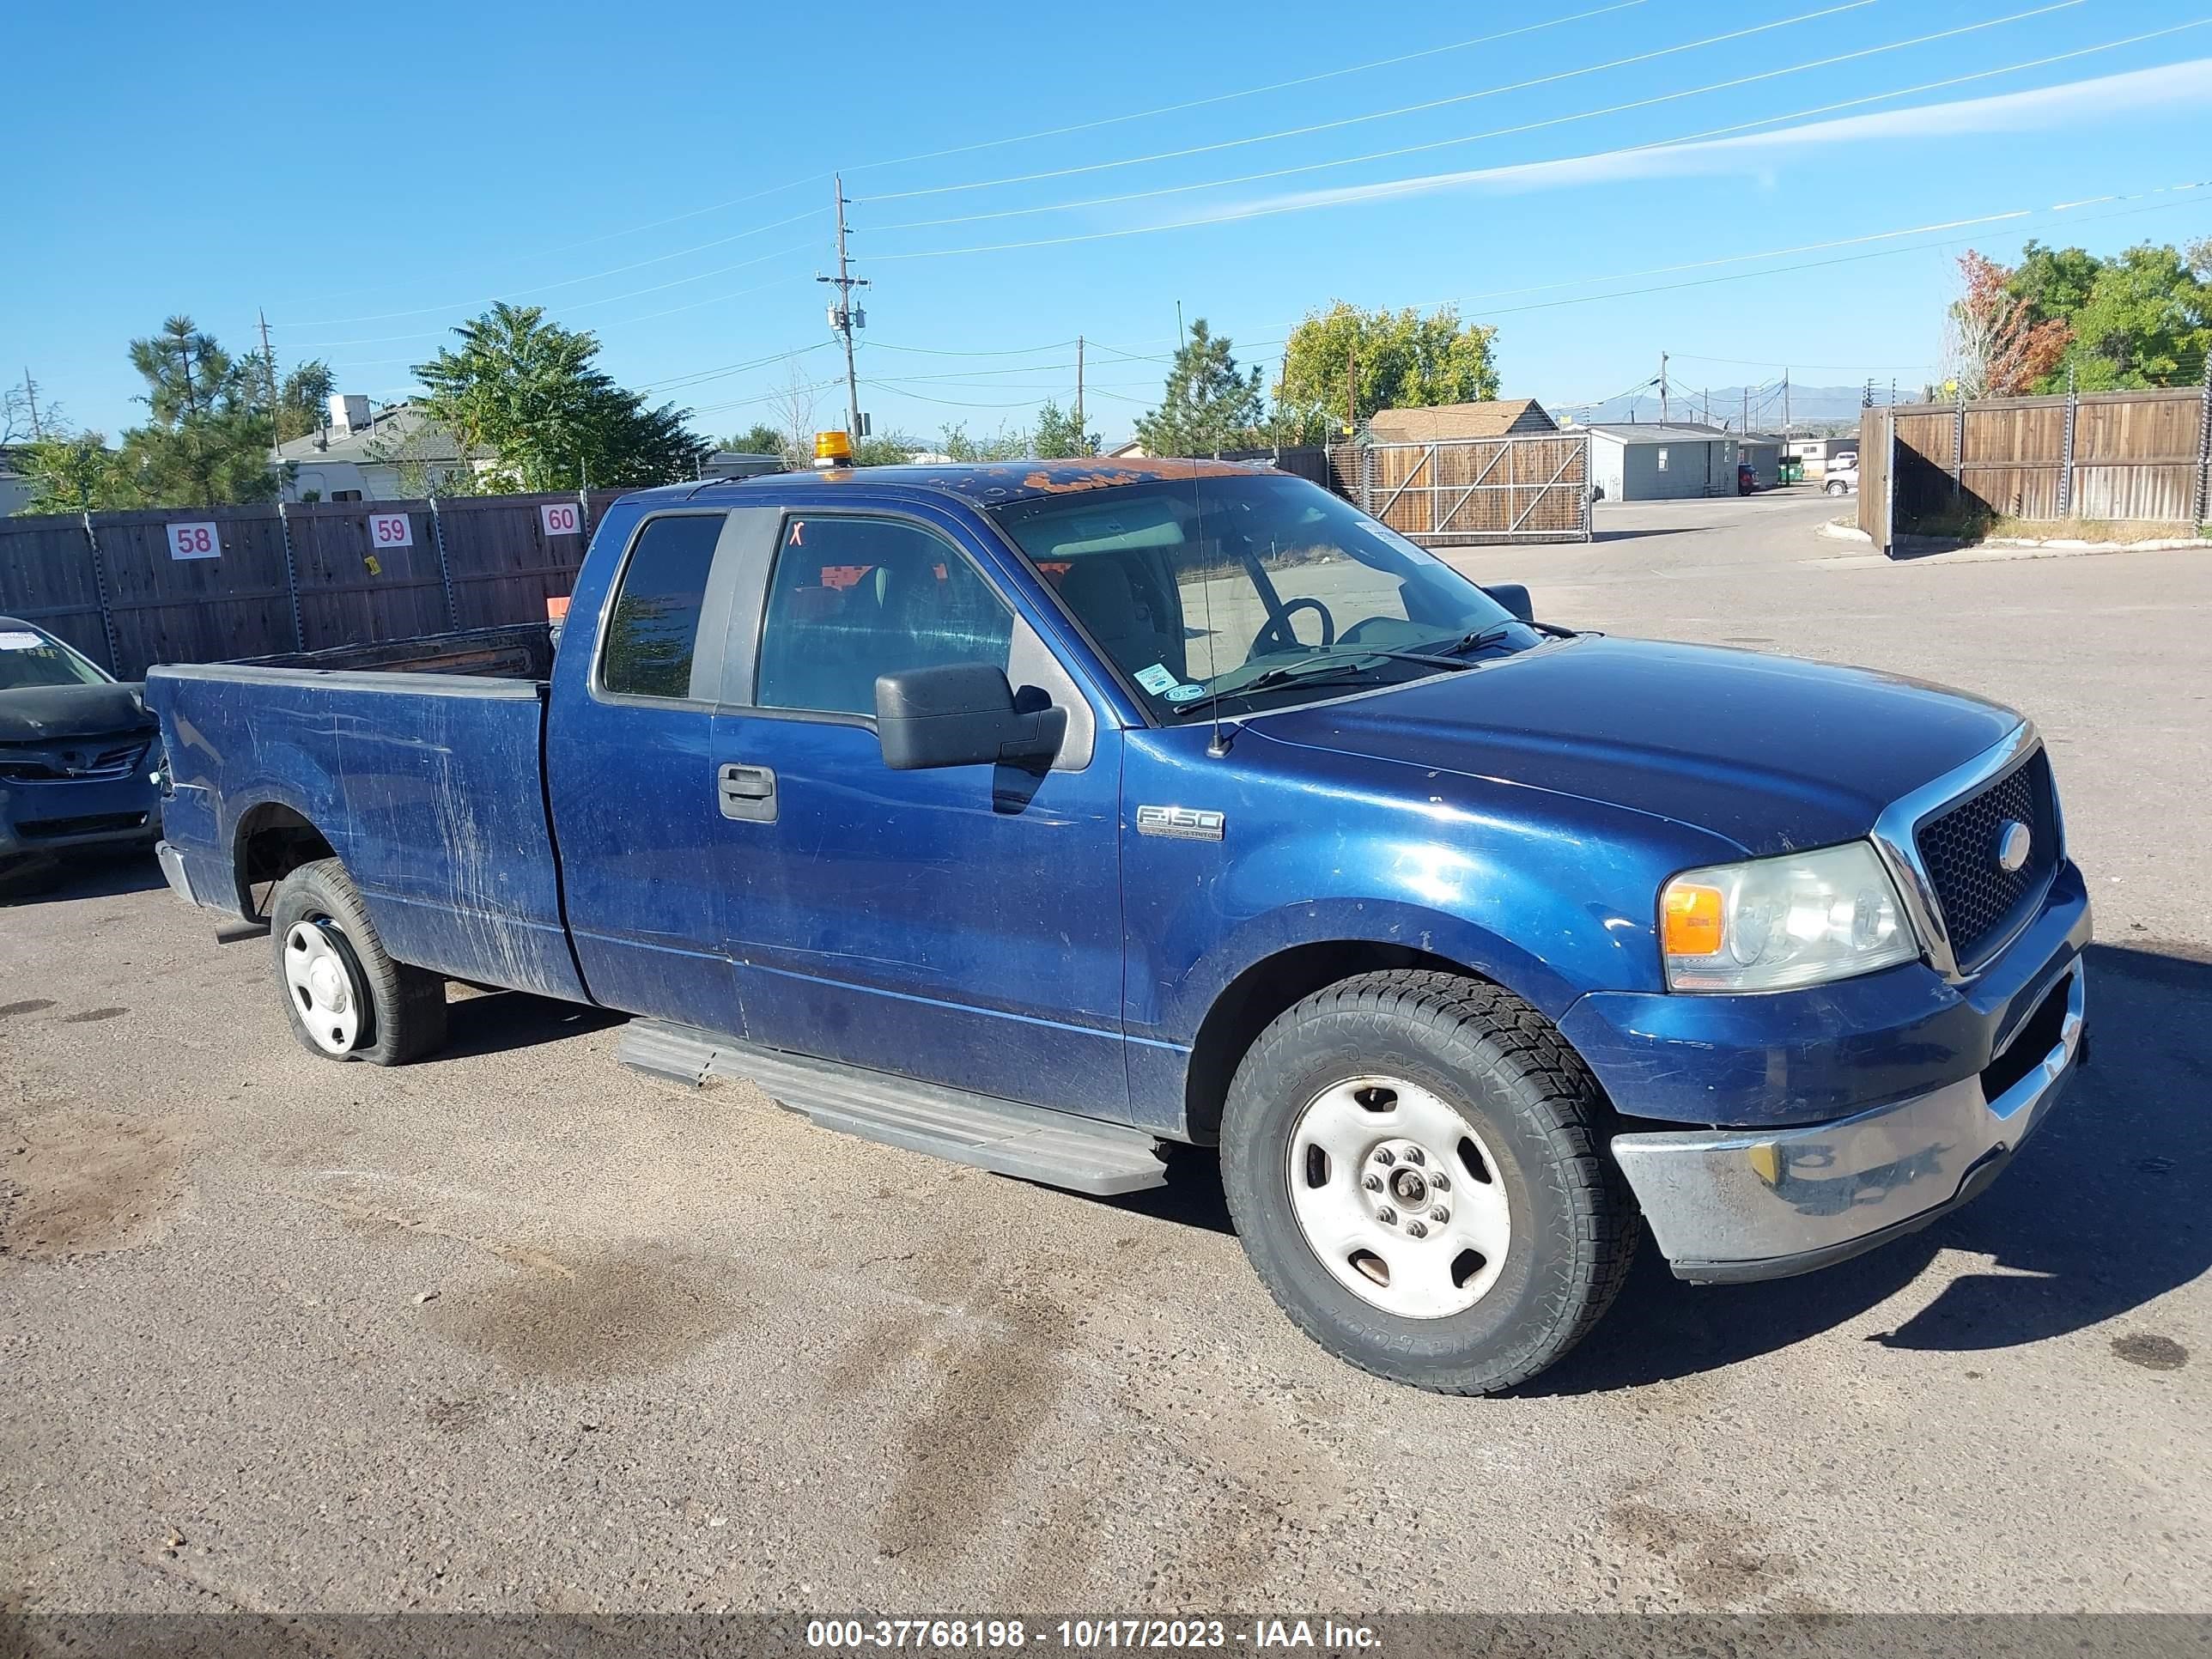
(1379, 115)
(1249, 92)
(1049, 132)
(940, 351)
(1265, 210)
(1587, 115)
(567, 281)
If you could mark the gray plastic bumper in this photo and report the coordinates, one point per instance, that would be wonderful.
(1730, 1205)
(173, 871)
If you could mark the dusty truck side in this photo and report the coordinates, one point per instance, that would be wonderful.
(1035, 815)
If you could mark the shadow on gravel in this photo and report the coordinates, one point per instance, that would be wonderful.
(2101, 1213)
(1192, 1196)
(82, 876)
(495, 1022)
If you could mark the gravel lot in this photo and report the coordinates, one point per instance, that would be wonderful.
(516, 1329)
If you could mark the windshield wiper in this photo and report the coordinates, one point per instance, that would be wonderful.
(1325, 657)
(1482, 638)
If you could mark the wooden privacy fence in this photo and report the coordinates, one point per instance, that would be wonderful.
(1455, 492)
(213, 584)
(2138, 457)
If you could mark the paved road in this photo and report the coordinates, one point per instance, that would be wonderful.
(516, 1329)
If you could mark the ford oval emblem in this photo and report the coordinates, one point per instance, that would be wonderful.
(2014, 842)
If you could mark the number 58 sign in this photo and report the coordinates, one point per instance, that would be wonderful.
(195, 541)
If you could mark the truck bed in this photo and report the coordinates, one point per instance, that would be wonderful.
(420, 761)
(518, 651)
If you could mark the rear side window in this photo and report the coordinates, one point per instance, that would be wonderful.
(652, 627)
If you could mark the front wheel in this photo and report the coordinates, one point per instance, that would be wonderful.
(347, 999)
(1835, 489)
(1414, 1165)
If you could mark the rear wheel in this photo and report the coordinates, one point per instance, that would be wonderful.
(1414, 1164)
(346, 998)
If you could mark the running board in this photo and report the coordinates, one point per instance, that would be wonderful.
(1031, 1142)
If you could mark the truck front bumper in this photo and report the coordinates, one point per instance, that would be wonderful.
(1730, 1205)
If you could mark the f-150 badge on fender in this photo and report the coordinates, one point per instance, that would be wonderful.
(1182, 823)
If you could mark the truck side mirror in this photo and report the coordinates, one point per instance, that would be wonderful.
(961, 715)
(1515, 597)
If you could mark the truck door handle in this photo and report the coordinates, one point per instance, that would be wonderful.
(747, 793)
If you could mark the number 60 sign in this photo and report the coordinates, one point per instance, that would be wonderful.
(561, 518)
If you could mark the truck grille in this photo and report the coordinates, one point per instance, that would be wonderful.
(79, 760)
(1980, 900)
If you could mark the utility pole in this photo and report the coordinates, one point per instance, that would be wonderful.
(844, 315)
(1663, 388)
(1079, 391)
(1746, 427)
(31, 396)
(1351, 390)
(1787, 428)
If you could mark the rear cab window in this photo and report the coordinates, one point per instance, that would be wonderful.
(650, 646)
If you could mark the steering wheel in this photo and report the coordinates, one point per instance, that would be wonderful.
(1276, 635)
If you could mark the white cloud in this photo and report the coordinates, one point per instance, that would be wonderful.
(2131, 96)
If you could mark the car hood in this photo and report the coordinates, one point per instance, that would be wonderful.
(48, 714)
(1770, 752)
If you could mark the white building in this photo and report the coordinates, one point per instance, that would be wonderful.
(1653, 461)
(393, 454)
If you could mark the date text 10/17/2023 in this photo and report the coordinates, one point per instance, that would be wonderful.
(1089, 1635)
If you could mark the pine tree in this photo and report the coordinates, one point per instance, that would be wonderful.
(1208, 404)
(207, 442)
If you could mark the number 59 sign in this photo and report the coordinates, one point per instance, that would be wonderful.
(390, 530)
(195, 541)
(561, 518)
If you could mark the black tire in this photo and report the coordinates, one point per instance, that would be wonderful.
(1502, 1067)
(403, 1008)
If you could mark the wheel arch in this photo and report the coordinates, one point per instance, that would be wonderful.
(272, 839)
(1251, 1000)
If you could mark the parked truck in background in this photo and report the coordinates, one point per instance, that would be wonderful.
(1036, 814)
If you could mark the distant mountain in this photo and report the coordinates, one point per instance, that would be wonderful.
(1825, 405)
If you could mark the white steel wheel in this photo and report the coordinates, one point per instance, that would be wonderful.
(1397, 1195)
(325, 988)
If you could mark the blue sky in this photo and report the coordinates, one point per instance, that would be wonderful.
(1024, 174)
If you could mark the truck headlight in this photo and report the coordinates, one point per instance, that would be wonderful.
(1770, 924)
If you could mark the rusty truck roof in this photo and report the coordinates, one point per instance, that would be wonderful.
(989, 483)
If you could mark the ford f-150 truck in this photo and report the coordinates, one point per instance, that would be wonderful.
(1037, 814)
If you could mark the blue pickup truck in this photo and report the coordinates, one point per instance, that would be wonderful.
(1034, 815)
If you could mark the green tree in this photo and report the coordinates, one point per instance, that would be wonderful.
(2147, 322)
(886, 449)
(303, 401)
(758, 439)
(2142, 318)
(74, 472)
(1007, 443)
(525, 391)
(1208, 404)
(1059, 434)
(208, 441)
(2054, 281)
(1398, 360)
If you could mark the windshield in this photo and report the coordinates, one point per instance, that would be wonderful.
(28, 659)
(1251, 591)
